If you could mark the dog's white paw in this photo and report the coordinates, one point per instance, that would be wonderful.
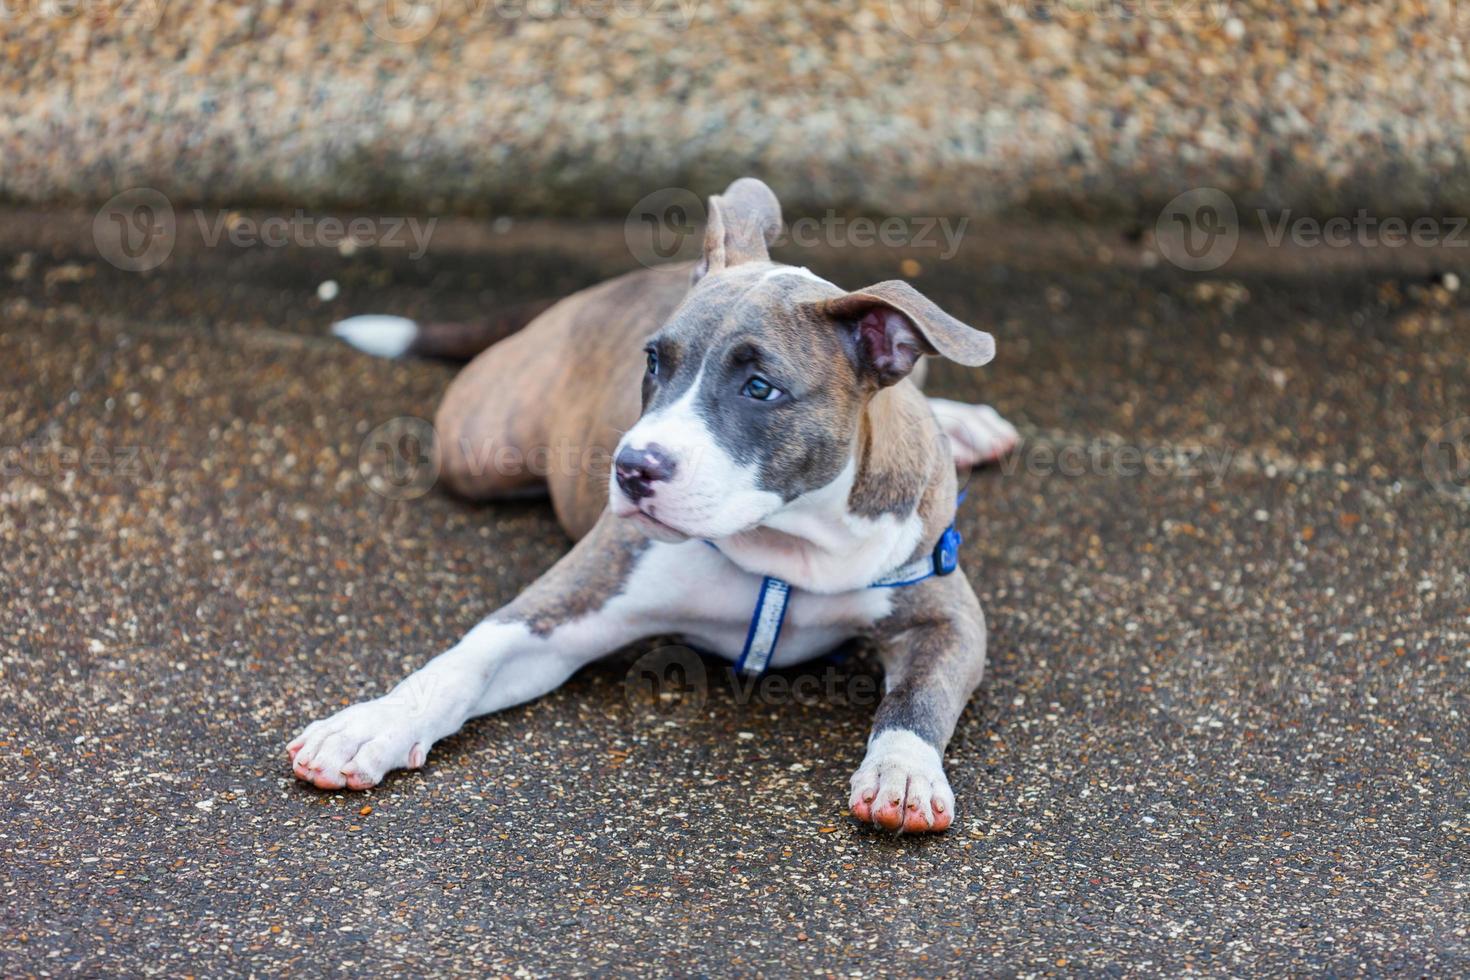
(359, 745)
(901, 785)
(977, 434)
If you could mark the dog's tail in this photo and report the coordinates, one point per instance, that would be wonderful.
(396, 336)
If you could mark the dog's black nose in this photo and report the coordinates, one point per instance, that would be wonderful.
(638, 469)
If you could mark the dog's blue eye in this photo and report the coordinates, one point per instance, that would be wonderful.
(761, 390)
(652, 362)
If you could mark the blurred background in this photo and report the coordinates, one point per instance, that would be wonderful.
(1225, 728)
(578, 107)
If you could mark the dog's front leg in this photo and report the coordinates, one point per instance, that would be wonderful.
(933, 659)
(569, 617)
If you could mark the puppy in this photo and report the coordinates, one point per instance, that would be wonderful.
(779, 485)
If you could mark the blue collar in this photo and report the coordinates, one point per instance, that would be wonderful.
(775, 596)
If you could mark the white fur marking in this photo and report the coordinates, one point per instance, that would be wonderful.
(794, 270)
(903, 770)
(496, 665)
(717, 598)
(710, 494)
(499, 664)
(818, 545)
(381, 336)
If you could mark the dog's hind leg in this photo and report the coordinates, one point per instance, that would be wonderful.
(490, 429)
(977, 433)
(572, 615)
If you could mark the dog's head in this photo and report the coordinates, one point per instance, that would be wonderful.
(756, 385)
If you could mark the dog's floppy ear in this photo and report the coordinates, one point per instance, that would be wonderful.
(888, 326)
(743, 221)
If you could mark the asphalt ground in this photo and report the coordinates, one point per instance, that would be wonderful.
(1223, 730)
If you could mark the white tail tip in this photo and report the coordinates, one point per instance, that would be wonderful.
(382, 336)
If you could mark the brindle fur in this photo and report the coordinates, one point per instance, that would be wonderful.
(583, 361)
(546, 406)
(568, 386)
(932, 647)
(587, 579)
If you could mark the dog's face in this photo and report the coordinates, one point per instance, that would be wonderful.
(748, 403)
(755, 387)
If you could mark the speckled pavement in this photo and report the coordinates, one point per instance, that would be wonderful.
(1224, 729)
(891, 106)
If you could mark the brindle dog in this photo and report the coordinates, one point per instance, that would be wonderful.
(763, 424)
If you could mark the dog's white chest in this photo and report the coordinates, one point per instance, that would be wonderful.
(693, 590)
